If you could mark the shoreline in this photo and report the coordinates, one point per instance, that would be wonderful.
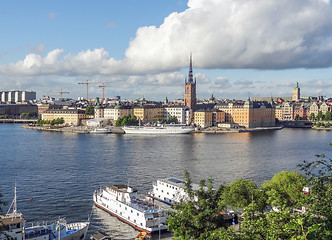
(119, 130)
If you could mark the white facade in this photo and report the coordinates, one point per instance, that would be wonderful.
(17, 96)
(115, 113)
(177, 112)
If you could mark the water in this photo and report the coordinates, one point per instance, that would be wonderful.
(60, 171)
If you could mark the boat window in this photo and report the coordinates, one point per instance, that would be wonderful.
(167, 193)
(137, 214)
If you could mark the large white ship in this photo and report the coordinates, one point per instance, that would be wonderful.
(162, 129)
(13, 226)
(121, 201)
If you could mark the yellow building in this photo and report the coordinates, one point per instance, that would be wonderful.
(70, 116)
(249, 114)
(148, 114)
(203, 118)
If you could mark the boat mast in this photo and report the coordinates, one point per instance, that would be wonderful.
(13, 204)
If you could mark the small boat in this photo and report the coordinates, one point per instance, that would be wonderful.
(140, 236)
(13, 226)
(101, 131)
(122, 202)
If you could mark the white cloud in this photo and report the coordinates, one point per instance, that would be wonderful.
(259, 34)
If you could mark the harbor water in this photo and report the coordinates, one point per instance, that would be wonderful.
(56, 173)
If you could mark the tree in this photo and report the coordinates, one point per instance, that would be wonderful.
(328, 116)
(297, 117)
(312, 116)
(26, 115)
(277, 210)
(129, 120)
(197, 216)
(89, 110)
(320, 116)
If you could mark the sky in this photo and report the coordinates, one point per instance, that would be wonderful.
(141, 48)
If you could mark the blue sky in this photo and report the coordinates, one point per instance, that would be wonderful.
(240, 48)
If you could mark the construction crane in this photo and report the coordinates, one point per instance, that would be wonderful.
(103, 87)
(61, 92)
(87, 88)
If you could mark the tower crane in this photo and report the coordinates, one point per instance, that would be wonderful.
(87, 88)
(103, 88)
(61, 92)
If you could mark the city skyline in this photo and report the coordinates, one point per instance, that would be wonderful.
(239, 49)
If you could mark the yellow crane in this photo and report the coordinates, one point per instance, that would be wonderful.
(87, 88)
(61, 92)
(103, 87)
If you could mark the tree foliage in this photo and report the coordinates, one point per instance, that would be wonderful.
(312, 116)
(279, 209)
(89, 110)
(129, 120)
(328, 116)
(169, 120)
(197, 216)
(56, 121)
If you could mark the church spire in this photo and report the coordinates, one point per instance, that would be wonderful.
(190, 75)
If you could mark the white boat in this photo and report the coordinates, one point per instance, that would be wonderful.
(13, 226)
(162, 129)
(121, 201)
(101, 131)
(170, 190)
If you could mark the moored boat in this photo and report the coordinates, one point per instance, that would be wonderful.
(101, 131)
(13, 226)
(122, 201)
(170, 190)
(162, 129)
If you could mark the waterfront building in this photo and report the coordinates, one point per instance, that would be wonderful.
(296, 93)
(148, 114)
(249, 114)
(287, 111)
(119, 111)
(314, 108)
(179, 112)
(190, 89)
(42, 107)
(302, 110)
(203, 118)
(15, 110)
(278, 112)
(324, 107)
(70, 116)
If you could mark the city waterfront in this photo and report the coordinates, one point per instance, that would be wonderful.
(56, 173)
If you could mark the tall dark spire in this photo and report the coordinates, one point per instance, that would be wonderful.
(190, 76)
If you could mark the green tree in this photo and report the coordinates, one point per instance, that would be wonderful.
(26, 115)
(320, 116)
(328, 116)
(197, 216)
(89, 110)
(327, 125)
(172, 119)
(297, 117)
(129, 120)
(312, 116)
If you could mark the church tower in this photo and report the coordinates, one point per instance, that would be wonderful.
(190, 89)
(296, 92)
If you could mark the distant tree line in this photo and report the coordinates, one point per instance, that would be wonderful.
(57, 121)
(320, 116)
